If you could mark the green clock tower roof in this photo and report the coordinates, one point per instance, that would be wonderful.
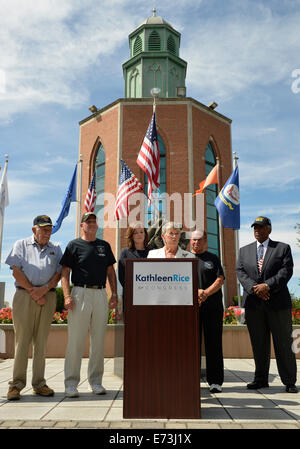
(154, 60)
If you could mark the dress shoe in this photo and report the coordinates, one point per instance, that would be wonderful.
(291, 389)
(13, 394)
(44, 391)
(257, 385)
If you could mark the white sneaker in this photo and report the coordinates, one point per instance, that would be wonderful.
(215, 388)
(98, 389)
(71, 392)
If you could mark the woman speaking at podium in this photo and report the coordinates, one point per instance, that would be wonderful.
(170, 233)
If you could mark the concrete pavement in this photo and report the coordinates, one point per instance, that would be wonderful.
(234, 408)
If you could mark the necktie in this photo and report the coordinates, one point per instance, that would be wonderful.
(260, 257)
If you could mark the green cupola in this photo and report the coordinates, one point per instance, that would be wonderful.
(154, 60)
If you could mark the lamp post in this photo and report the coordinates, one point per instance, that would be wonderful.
(155, 91)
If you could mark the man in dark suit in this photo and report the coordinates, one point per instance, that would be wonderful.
(264, 269)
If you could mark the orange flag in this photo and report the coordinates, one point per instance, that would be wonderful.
(212, 178)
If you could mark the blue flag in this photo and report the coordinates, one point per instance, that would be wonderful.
(69, 197)
(228, 202)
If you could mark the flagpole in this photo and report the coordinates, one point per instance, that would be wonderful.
(237, 242)
(2, 218)
(155, 91)
(79, 187)
(221, 238)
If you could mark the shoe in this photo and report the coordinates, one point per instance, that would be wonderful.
(13, 394)
(98, 389)
(44, 391)
(71, 392)
(257, 385)
(215, 388)
(291, 389)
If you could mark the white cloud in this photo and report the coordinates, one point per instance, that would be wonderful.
(21, 190)
(231, 53)
(46, 47)
(280, 174)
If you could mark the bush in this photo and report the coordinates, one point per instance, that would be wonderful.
(59, 300)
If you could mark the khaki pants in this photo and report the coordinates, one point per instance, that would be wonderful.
(32, 325)
(90, 313)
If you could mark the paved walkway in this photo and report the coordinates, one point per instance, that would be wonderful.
(234, 408)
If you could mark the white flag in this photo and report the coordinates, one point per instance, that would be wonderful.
(3, 196)
(3, 203)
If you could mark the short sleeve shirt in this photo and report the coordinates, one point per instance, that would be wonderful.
(209, 269)
(88, 261)
(39, 265)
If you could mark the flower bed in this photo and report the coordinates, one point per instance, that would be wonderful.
(58, 317)
(232, 315)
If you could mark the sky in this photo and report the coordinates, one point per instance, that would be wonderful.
(58, 57)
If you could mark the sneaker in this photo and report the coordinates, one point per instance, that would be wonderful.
(13, 394)
(71, 392)
(44, 391)
(215, 388)
(98, 389)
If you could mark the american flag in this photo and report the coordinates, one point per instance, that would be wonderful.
(128, 185)
(148, 158)
(90, 198)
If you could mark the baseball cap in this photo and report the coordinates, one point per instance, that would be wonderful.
(42, 220)
(87, 215)
(261, 221)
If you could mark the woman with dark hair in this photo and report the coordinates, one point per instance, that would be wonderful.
(137, 240)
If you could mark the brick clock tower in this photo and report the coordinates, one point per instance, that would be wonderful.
(192, 137)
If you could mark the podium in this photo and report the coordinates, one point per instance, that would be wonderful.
(161, 354)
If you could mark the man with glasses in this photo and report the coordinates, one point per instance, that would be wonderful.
(35, 265)
(211, 278)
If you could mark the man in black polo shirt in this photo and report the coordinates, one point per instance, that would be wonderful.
(91, 261)
(211, 279)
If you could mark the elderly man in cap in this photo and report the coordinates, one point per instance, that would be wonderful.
(35, 265)
(264, 269)
(91, 261)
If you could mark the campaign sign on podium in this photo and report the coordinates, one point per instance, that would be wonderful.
(161, 354)
(163, 284)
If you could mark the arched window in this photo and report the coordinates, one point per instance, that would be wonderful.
(171, 45)
(133, 83)
(154, 41)
(100, 186)
(137, 46)
(211, 211)
(163, 185)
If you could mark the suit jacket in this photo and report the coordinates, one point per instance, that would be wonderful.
(277, 270)
(160, 253)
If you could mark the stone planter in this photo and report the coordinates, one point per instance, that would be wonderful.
(236, 341)
(58, 339)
